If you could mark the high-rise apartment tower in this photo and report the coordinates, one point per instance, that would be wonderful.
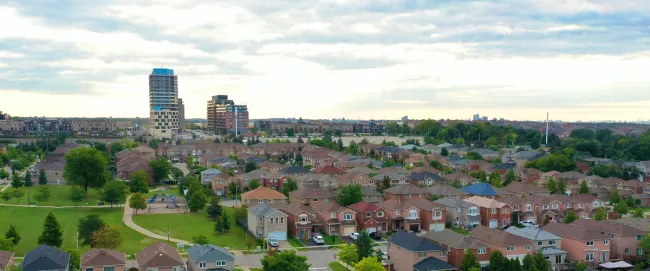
(163, 103)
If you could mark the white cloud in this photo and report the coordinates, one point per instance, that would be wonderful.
(364, 28)
(5, 54)
(568, 27)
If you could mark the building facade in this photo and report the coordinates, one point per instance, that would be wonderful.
(225, 117)
(163, 103)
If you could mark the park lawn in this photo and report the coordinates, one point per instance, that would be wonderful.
(173, 190)
(336, 266)
(185, 226)
(29, 223)
(59, 196)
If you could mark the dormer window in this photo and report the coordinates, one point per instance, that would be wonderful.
(332, 215)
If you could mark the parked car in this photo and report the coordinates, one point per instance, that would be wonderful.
(529, 224)
(354, 235)
(384, 256)
(375, 235)
(318, 239)
(273, 242)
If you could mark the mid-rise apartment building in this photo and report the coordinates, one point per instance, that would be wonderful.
(225, 117)
(163, 103)
(47, 126)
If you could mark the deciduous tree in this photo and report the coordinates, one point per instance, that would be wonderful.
(12, 234)
(86, 167)
(87, 226)
(114, 192)
(498, 262)
(137, 202)
(348, 254)
(469, 261)
(369, 264)
(106, 237)
(6, 244)
(570, 217)
(43, 194)
(600, 214)
(6, 196)
(139, 182)
(349, 194)
(200, 240)
(621, 208)
(18, 194)
(254, 184)
(584, 187)
(197, 201)
(289, 185)
(161, 169)
(286, 260)
(510, 177)
(52, 234)
(75, 260)
(76, 194)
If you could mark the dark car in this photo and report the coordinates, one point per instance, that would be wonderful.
(375, 235)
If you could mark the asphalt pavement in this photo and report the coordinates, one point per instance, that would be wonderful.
(317, 259)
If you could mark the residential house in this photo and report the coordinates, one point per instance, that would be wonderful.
(481, 190)
(99, 259)
(460, 213)
(209, 174)
(337, 220)
(370, 195)
(425, 178)
(644, 198)
(528, 175)
(519, 159)
(407, 251)
(129, 161)
(431, 215)
(401, 215)
(370, 217)
(209, 258)
(624, 238)
(639, 223)
(311, 196)
(262, 194)
(581, 243)
(405, 192)
(302, 220)
(498, 168)
(570, 177)
(220, 183)
(426, 169)
(549, 244)
(475, 165)
(355, 178)
(295, 171)
(329, 170)
(494, 214)
(488, 154)
(6, 260)
(159, 256)
(46, 258)
(512, 246)
(521, 189)
(460, 177)
(457, 244)
(395, 178)
(266, 221)
(363, 170)
(395, 169)
(446, 191)
(634, 186)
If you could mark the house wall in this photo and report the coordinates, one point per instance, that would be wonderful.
(428, 219)
(194, 266)
(101, 268)
(403, 260)
(577, 249)
(253, 223)
(455, 255)
(520, 251)
(620, 243)
(281, 225)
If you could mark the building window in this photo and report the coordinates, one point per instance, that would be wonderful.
(527, 247)
(437, 213)
(332, 215)
(260, 200)
(568, 205)
(473, 210)
(413, 214)
(380, 214)
(281, 220)
(271, 221)
(457, 210)
(639, 252)
(510, 249)
(481, 251)
(589, 257)
(545, 206)
(347, 217)
(302, 218)
(368, 214)
(221, 263)
(580, 205)
(596, 203)
(638, 237)
(89, 269)
(539, 243)
(315, 200)
(551, 243)
(397, 212)
(590, 243)
(494, 210)
(555, 206)
(422, 254)
(606, 242)
(203, 265)
(627, 251)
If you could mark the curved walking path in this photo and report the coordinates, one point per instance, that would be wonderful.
(5, 188)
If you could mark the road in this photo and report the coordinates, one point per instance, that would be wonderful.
(182, 167)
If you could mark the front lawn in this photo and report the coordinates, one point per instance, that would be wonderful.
(29, 223)
(460, 230)
(184, 226)
(336, 266)
(294, 242)
(59, 196)
(333, 240)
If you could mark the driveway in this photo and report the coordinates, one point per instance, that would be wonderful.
(230, 203)
(318, 258)
(182, 167)
(313, 246)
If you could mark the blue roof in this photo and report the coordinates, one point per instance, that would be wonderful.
(412, 242)
(432, 264)
(210, 171)
(162, 71)
(480, 189)
(209, 253)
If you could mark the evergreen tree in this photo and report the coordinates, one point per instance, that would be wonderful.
(614, 198)
(13, 234)
(570, 217)
(514, 265)
(16, 181)
(529, 263)
(52, 234)
(510, 177)
(225, 223)
(469, 261)
(42, 178)
(28, 179)
(552, 186)
(584, 187)
(364, 244)
(561, 187)
(498, 262)
(541, 263)
(214, 209)
(218, 226)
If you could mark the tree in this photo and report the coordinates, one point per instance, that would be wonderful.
(570, 217)
(644, 244)
(52, 234)
(529, 263)
(561, 187)
(349, 254)
(444, 152)
(76, 194)
(495, 179)
(43, 194)
(106, 237)
(614, 198)
(225, 223)
(584, 187)
(6, 244)
(6, 196)
(233, 188)
(552, 186)
(469, 261)
(87, 226)
(600, 214)
(13, 235)
(289, 185)
(86, 167)
(197, 201)
(254, 184)
(349, 194)
(28, 179)
(138, 183)
(200, 240)
(18, 194)
(473, 156)
(218, 226)
(286, 260)
(581, 266)
(114, 192)
(16, 181)
(364, 244)
(498, 262)
(510, 177)
(137, 202)
(161, 169)
(3, 173)
(75, 260)
(535, 143)
(299, 160)
(621, 208)
(250, 166)
(638, 213)
(369, 264)
(214, 209)
(514, 265)
(541, 263)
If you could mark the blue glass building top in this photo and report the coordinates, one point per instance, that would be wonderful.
(162, 71)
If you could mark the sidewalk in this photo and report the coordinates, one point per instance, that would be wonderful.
(128, 221)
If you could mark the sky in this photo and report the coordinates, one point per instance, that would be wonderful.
(370, 59)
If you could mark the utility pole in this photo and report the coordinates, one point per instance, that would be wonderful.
(167, 232)
(547, 129)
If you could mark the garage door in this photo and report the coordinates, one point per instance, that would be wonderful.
(437, 227)
(494, 224)
(370, 230)
(348, 230)
(279, 235)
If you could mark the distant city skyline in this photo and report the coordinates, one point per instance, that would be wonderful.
(580, 60)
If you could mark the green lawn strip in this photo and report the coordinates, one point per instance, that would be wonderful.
(29, 223)
(459, 230)
(333, 240)
(255, 269)
(185, 226)
(295, 242)
(59, 196)
(336, 266)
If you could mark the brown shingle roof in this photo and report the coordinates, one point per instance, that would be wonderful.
(404, 189)
(5, 257)
(311, 193)
(573, 231)
(442, 189)
(457, 176)
(612, 227)
(328, 170)
(262, 193)
(425, 204)
(158, 255)
(518, 187)
(97, 257)
(497, 237)
(329, 207)
(455, 240)
(363, 206)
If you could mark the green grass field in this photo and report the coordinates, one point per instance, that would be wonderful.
(184, 226)
(335, 266)
(59, 196)
(173, 191)
(29, 223)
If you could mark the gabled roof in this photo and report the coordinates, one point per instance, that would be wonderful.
(365, 191)
(404, 189)
(102, 257)
(498, 237)
(519, 187)
(363, 206)
(426, 169)
(424, 176)
(330, 206)
(480, 189)
(433, 263)
(295, 170)
(454, 202)
(262, 192)
(535, 234)
(262, 209)
(574, 232)
(412, 242)
(485, 202)
(313, 192)
(45, 257)
(208, 252)
(211, 171)
(458, 175)
(158, 255)
(328, 170)
(443, 189)
(639, 223)
(5, 257)
(454, 240)
(362, 170)
(392, 170)
(609, 226)
(570, 175)
(424, 204)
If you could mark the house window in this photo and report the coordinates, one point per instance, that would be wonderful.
(413, 214)
(638, 237)
(494, 210)
(551, 242)
(545, 206)
(437, 213)
(368, 214)
(89, 269)
(302, 218)
(568, 205)
(409, 196)
(277, 220)
(627, 251)
(590, 243)
(589, 257)
(555, 206)
(332, 215)
(505, 211)
(481, 251)
(580, 205)
(606, 242)
(221, 263)
(639, 252)
(380, 214)
(527, 247)
(347, 217)
(457, 210)
(315, 200)
(397, 212)
(203, 265)
(510, 249)
(517, 208)
(596, 203)
(270, 201)
(281, 220)
(473, 210)
(260, 200)
(422, 254)
(326, 199)
(539, 243)
(271, 221)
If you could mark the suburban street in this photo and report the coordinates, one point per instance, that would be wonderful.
(318, 259)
